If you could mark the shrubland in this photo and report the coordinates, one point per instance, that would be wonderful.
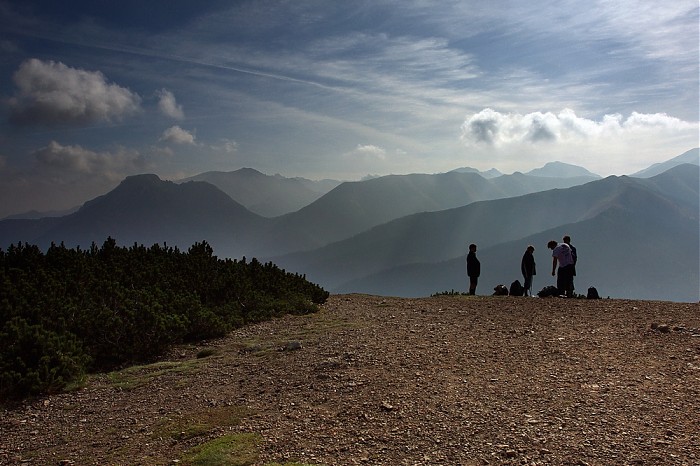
(68, 312)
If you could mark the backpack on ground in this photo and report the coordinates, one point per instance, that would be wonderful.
(592, 293)
(548, 291)
(500, 290)
(516, 289)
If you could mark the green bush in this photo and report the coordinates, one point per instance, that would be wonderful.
(35, 360)
(71, 311)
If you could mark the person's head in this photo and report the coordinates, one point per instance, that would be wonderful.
(531, 249)
(552, 244)
(567, 239)
(472, 247)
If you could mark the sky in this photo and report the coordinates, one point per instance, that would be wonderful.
(94, 91)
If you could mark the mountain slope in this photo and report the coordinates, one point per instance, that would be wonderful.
(266, 195)
(354, 207)
(146, 210)
(636, 212)
(692, 157)
(561, 170)
(618, 253)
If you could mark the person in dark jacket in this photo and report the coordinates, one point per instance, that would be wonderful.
(473, 269)
(527, 267)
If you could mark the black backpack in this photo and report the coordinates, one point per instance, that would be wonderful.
(516, 289)
(592, 293)
(548, 291)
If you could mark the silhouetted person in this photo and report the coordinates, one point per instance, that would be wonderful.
(473, 269)
(567, 241)
(561, 257)
(527, 267)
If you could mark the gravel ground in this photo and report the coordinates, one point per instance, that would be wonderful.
(377, 380)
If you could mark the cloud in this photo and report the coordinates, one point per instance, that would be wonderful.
(494, 128)
(81, 161)
(52, 93)
(177, 135)
(366, 152)
(229, 146)
(168, 106)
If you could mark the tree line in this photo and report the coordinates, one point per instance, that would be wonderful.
(68, 312)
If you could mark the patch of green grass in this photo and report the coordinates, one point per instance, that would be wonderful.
(289, 464)
(137, 376)
(228, 450)
(199, 423)
(206, 352)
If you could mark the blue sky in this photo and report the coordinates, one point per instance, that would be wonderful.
(93, 91)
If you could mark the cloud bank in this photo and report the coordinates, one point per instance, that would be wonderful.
(494, 128)
(51, 93)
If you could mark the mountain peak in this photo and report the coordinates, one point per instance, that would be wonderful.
(561, 170)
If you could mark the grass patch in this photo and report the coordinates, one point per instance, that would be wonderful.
(229, 450)
(206, 352)
(199, 423)
(138, 376)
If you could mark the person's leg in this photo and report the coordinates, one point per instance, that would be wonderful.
(527, 285)
(472, 285)
(561, 281)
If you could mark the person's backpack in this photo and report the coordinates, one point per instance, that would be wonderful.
(548, 291)
(516, 289)
(592, 293)
(500, 290)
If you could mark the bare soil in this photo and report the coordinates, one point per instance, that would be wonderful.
(378, 380)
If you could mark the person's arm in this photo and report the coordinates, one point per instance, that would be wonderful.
(554, 265)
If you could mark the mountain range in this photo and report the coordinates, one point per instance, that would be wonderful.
(406, 235)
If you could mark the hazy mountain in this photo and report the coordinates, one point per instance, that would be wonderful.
(561, 170)
(624, 220)
(354, 207)
(145, 209)
(488, 174)
(266, 195)
(692, 157)
(34, 214)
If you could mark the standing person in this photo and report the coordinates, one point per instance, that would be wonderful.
(561, 256)
(567, 241)
(473, 269)
(527, 267)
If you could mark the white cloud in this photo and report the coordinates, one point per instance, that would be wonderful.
(367, 152)
(79, 160)
(495, 128)
(52, 93)
(228, 146)
(612, 144)
(168, 105)
(177, 135)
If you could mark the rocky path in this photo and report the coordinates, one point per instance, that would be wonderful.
(375, 380)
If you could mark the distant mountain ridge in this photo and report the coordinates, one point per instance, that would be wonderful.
(691, 157)
(637, 237)
(561, 170)
(354, 207)
(488, 174)
(389, 233)
(266, 195)
(145, 209)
